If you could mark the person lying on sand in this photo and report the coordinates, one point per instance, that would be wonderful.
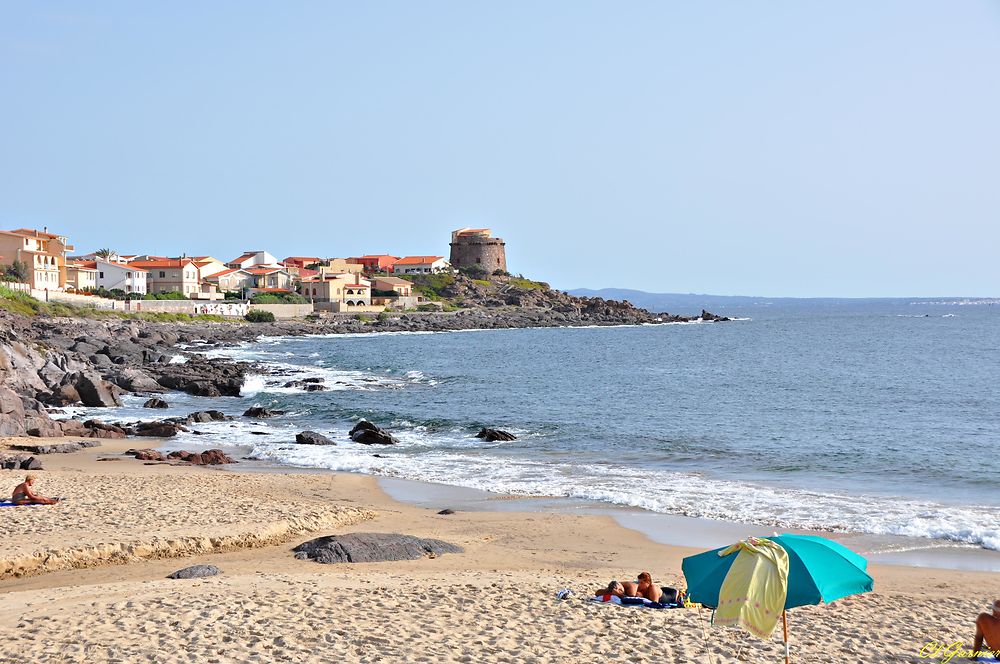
(988, 629)
(618, 589)
(646, 588)
(23, 495)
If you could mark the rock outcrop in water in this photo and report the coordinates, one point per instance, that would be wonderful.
(491, 435)
(366, 433)
(312, 438)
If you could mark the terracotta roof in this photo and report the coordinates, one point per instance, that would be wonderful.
(83, 265)
(225, 272)
(264, 270)
(244, 257)
(31, 232)
(166, 262)
(396, 281)
(306, 272)
(272, 290)
(379, 256)
(306, 260)
(418, 260)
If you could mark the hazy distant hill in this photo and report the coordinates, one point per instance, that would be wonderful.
(691, 303)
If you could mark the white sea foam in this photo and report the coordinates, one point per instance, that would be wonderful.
(667, 492)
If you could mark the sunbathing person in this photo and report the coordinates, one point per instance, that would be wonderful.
(23, 495)
(619, 589)
(646, 588)
(988, 629)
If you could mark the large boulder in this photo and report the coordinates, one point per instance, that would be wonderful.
(491, 435)
(135, 380)
(99, 429)
(155, 402)
(11, 413)
(366, 433)
(195, 572)
(312, 438)
(156, 429)
(96, 392)
(371, 548)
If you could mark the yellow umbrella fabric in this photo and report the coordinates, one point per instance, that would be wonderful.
(752, 595)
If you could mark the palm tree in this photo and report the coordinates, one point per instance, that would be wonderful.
(105, 253)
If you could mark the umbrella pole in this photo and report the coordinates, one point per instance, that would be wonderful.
(784, 622)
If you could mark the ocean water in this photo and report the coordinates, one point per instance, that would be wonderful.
(879, 417)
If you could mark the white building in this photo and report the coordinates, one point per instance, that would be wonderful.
(421, 265)
(128, 278)
(251, 259)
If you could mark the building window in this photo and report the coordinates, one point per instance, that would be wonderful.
(101, 274)
(163, 274)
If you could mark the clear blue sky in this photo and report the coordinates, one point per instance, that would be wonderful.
(770, 148)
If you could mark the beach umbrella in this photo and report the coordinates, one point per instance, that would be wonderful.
(819, 571)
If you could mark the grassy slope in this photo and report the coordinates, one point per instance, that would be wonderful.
(21, 303)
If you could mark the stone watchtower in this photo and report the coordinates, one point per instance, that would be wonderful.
(477, 246)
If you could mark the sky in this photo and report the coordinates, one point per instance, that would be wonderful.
(795, 148)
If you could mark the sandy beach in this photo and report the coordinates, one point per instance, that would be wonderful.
(85, 580)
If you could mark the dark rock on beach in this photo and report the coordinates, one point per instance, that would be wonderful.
(98, 429)
(56, 448)
(446, 511)
(146, 455)
(195, 572)
(156, 429)
(366, 433)
(312, 438)
(371, 548)
(491, 435)
(155, 402)
(206, 458)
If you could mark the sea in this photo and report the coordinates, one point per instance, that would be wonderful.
(873, 417)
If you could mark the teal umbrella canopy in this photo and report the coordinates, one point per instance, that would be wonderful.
(819, 570)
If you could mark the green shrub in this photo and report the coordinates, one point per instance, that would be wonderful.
(18, 270)
(167, 295)
(362, 318)
(259, 316)
(382, 317)
(474, 272)
(278, 298)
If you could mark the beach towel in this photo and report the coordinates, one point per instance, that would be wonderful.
(7, 503)
(630, 601)
(753, 593)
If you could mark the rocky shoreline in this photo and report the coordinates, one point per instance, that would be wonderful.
(47, 363)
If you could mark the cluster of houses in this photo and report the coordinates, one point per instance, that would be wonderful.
(358, 283)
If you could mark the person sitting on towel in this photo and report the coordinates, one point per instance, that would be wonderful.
(23, 495)
(646, 588)
(988, 629)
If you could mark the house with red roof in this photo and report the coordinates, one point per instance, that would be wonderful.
(301, 261)
(170, 275)
(375, 262)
